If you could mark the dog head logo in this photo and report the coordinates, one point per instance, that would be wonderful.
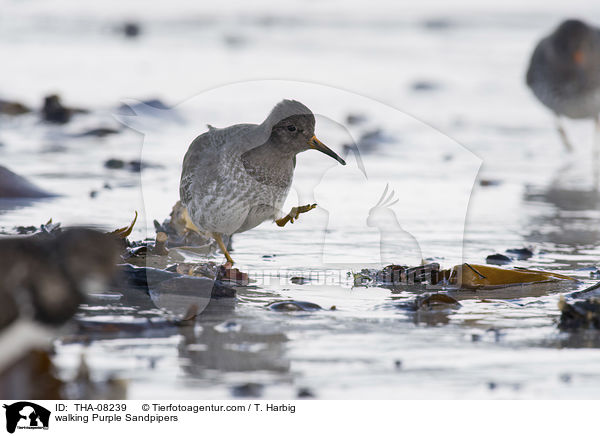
(26, 415)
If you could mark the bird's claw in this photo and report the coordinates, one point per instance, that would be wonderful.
(294, 214)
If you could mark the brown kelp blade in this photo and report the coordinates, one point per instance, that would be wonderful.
(124, 232)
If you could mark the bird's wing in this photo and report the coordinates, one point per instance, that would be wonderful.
(201, 163)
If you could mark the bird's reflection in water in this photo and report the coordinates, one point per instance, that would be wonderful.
(574, 220)
(229, 346)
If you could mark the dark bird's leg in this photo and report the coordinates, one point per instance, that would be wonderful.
(294, 214)
(563, 134)
(219, 240)
(596, 153)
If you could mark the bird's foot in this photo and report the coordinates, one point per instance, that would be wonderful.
(294, 214)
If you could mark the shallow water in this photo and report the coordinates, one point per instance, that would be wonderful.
(479, 122)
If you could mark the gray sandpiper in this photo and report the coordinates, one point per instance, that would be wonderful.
(564, 73)
(237, 177)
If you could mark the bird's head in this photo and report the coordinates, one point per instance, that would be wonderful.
(292, 128)
(573, 41)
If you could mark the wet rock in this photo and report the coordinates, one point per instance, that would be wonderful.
(425, 85)
(354, 119)
(134, 166)
(131, 29)
(565, 378)
(305, 393)
(14, 186)
(294, 306)
(576, 315)
(114, 164)
(247, 390)
(99, 132)
(520, 253)
(147, 279)
(53, 110)
(394, 275)
(234, 41)
(13, 108)
(437, 24)
(31, 376)
(26, 230)
(435, 302)
(489, 182)
(232, 275)
(498, 259)
(49, 273)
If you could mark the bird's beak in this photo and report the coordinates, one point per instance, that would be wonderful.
(578, 57)
(318, 145)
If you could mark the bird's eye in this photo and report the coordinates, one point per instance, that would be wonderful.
(291, 128)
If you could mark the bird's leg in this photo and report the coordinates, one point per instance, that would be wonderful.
(219, 240)
(294, 214)
(596, 153)
(563, 134)
(189, 224)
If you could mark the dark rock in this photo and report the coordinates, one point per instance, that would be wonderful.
(354, 119)
(53, 110)
(437, 24)
(583, 314)
(299, 280)
(435, 302)
(131, 29)
(14, 186)
(424, 85)
(247, 390)
(26, 230)
(396, 275)
(13, 108)
(48, 272)
(398, 364)
(114, 164)
(99, 132)
(234, 40)
(520, 253)
(146, 278)
(498, 259)
(305, 393)
(488, 182)
(294, 306)
(134, 165)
